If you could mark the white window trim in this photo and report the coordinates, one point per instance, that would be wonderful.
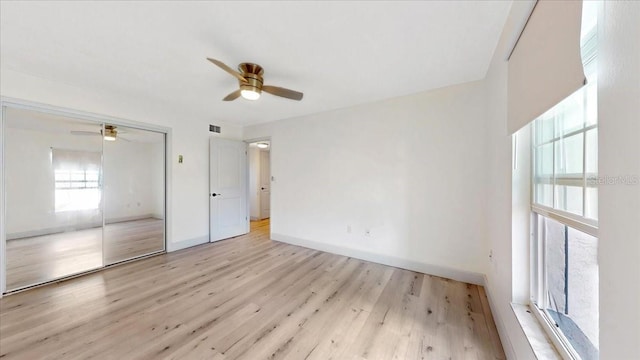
(562, 345)
(588, 226)
(582, 223)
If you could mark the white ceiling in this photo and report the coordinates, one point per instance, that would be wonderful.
(339, 54)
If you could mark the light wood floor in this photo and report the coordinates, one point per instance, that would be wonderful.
(42, 258)
(250, 298)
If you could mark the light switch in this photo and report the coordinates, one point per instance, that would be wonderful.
(179, 159)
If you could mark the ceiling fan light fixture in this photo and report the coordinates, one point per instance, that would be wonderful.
(110, 133)
(250, 94)
(251, 83)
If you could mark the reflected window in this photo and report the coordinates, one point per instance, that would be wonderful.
(77, 180)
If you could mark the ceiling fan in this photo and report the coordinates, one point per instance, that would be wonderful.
(110, 133)
(251, 83)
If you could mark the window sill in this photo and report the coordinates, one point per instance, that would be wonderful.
(538, 339)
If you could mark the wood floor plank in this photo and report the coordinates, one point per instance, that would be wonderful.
(250, 298)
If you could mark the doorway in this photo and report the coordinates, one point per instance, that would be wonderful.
(260, 183)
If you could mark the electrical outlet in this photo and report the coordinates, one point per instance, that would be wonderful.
(490, 255)
(348, 229)
(367, 232)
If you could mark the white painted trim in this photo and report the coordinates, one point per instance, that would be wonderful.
(507, 345)
(442, 271)
(3, 262)
(562, 347)
(187, 243)
(82, 115)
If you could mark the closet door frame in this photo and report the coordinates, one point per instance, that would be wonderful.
(6, 102)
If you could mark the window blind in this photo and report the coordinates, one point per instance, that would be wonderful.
(75, 160)
(545, 66)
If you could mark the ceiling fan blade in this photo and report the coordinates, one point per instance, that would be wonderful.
(285, 93)
(226, 68)
(90, 133)
(234, 95)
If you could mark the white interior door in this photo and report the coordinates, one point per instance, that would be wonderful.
(265, 185)
(228, 215)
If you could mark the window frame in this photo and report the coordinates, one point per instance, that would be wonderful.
(538, 250)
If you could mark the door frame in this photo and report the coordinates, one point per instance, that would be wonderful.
(90, 117)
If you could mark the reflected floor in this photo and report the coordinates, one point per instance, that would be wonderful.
(42, 258)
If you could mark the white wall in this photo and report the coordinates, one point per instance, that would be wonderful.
(619, 155)
(188, 183)
(133, 180)
(411, 170)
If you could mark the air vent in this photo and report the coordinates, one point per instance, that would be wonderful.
(214, 128)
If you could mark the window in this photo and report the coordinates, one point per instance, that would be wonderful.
(565, 284)
(77, 180)
(565, 149)
(565, 212)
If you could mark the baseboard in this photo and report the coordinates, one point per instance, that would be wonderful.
(175, 246)
(78, 227)
(502, 330)
(442, 271)
(130, 218)
(51, 231)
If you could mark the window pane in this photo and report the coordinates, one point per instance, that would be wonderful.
(570, 114)
(63, 184)
(572, 285)
(555, 265)
(568, 153)
(78, 184)
(591, 152)
(62, 175)
(544, 194)
(569, 198)
(77, 175)
(544, 161)
(92, 176)
(544, 128)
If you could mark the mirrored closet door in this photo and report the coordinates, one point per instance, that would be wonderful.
(53, 170)
(134, 194)
(80, 195)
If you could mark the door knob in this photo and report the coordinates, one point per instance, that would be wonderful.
(261, 188)
(214, 194)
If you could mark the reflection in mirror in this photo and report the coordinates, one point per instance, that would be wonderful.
(134, 193)
(53, 196)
